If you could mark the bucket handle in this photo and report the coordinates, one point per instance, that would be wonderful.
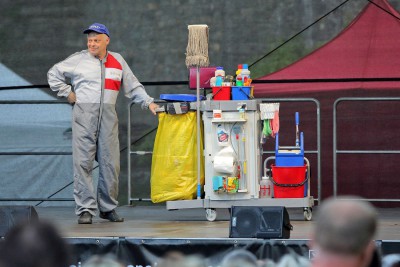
(216, 92)
(291, 185)
(248, 96)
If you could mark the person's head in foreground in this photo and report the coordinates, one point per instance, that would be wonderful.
(344, 233)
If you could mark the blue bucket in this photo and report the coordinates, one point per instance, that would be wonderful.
(241, 92)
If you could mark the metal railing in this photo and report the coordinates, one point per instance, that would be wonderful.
(343, 151)
(130, 152)
(33, 102)
(20, 153)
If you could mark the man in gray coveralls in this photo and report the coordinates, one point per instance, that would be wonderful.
(96, 75)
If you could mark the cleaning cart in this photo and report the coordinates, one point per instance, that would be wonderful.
(233, 161)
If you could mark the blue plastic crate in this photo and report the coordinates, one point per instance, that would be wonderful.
(289, 156)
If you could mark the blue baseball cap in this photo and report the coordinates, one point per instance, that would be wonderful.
(97, 27)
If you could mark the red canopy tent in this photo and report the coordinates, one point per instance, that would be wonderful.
(367, 48)
(361, 61)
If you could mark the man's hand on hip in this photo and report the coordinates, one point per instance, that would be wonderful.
(71, 98)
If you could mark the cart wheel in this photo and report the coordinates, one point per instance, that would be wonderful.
(307, 214)
(211, 214)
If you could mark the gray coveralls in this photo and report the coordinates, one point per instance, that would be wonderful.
(94, 122)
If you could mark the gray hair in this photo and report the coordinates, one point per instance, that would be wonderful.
(102, 261)
(391, 260)
(239, 258)
(345, 226)
(178, 259)
(290, 260)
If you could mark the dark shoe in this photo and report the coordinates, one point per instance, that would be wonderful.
(85, 218)
(112, 216)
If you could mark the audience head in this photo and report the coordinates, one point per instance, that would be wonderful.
(391, 260)
(34, 244)
(239, 258)
(176, 258)
(345, 227)
(290, 260)
(102, 261)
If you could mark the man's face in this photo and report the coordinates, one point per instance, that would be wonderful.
(97, 44)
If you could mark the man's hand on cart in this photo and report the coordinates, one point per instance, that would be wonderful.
(153, 107)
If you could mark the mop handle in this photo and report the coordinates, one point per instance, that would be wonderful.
(297, 118)
(198, 144)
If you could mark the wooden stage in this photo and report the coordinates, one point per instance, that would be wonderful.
(155, 221)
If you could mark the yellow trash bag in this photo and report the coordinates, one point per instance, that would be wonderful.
(174, 162)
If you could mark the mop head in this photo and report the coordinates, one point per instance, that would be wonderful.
(197, 48)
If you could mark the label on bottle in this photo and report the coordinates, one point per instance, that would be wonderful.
(266, 188)
(222, 135)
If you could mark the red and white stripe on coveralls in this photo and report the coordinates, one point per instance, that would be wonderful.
(112, 82)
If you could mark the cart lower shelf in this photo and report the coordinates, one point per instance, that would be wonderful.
(210, 205)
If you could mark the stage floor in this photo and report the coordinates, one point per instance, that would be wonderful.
(155, 221)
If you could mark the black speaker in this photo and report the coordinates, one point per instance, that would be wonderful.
(12, 215)
(259, 222)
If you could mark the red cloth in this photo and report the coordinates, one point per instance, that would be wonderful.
(368, 48)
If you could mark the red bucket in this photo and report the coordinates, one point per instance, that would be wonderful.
(289, 182)
(221, 93)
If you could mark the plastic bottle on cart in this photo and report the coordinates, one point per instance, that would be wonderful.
(239, 74)
(239, 80)
(239, 69)
(222, 135)
(219, 76)
(245, 74)
(266, 187)
(242, 113)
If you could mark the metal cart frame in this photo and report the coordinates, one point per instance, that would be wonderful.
(307, 202)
